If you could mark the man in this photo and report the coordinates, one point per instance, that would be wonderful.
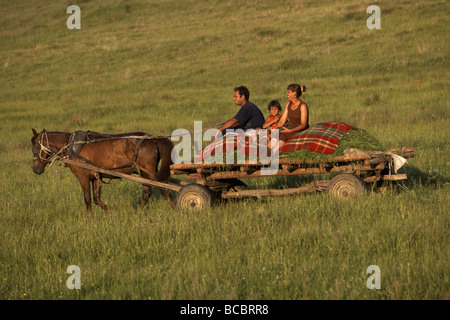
(249, 115)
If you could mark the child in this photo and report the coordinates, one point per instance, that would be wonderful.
(272, 120)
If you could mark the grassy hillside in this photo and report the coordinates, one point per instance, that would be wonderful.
(156, 66)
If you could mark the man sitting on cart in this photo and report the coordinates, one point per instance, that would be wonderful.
(248, 117)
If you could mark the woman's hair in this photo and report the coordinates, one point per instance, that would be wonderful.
(274, 103)
(297, 88)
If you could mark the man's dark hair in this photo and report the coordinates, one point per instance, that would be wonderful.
(243, 91)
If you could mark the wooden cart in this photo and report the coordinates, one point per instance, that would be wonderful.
(205, 182)
(219, 180)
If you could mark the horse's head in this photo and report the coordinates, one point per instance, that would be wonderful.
(41, 151)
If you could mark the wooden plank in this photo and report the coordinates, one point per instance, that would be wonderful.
(374, 157)
(180, 182)
(372, 179)
(147, 182)
(300, 171)
(404, 152)
(395, 177)
(175, 172)
(190, 166)
(267, 192)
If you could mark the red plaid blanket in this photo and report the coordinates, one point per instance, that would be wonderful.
(322, 137)
(245, 144)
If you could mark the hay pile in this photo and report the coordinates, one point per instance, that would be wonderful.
(356, 139)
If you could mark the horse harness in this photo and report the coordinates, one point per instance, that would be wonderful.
(79, 138)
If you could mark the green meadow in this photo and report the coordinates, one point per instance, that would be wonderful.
(157, 66)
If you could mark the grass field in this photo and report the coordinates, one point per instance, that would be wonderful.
(161, 65)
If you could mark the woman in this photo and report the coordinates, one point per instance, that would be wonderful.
(295, 117)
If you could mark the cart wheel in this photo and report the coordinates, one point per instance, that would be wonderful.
(345, 185)
(194, 196)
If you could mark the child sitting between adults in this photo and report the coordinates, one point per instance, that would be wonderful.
(272, 120)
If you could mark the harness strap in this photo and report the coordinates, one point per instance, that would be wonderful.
(138, 146)
(76, 142)
(136, 152)
(129, 164)
(79, 138)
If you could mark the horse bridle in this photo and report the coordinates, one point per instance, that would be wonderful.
(44, 149)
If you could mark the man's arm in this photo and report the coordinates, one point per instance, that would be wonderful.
(229, 124)
(240, 118)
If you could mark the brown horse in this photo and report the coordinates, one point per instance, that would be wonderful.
(126, 153)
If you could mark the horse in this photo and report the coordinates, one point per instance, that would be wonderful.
(127, 153)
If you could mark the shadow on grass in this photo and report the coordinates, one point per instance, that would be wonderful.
(278, 182)
(416, 177)
(284, 182)
(419, 177)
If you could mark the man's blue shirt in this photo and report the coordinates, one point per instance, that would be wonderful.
(250, 116)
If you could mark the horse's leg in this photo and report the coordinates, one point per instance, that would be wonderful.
(146, 193)
(86, 186)
(151, 154)
(97, 185)
(166, 193)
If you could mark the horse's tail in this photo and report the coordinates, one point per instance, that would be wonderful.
(164, 147)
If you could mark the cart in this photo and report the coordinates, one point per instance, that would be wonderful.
(206, 182)
(354, 173)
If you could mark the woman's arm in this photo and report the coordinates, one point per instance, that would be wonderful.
(284, 116)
